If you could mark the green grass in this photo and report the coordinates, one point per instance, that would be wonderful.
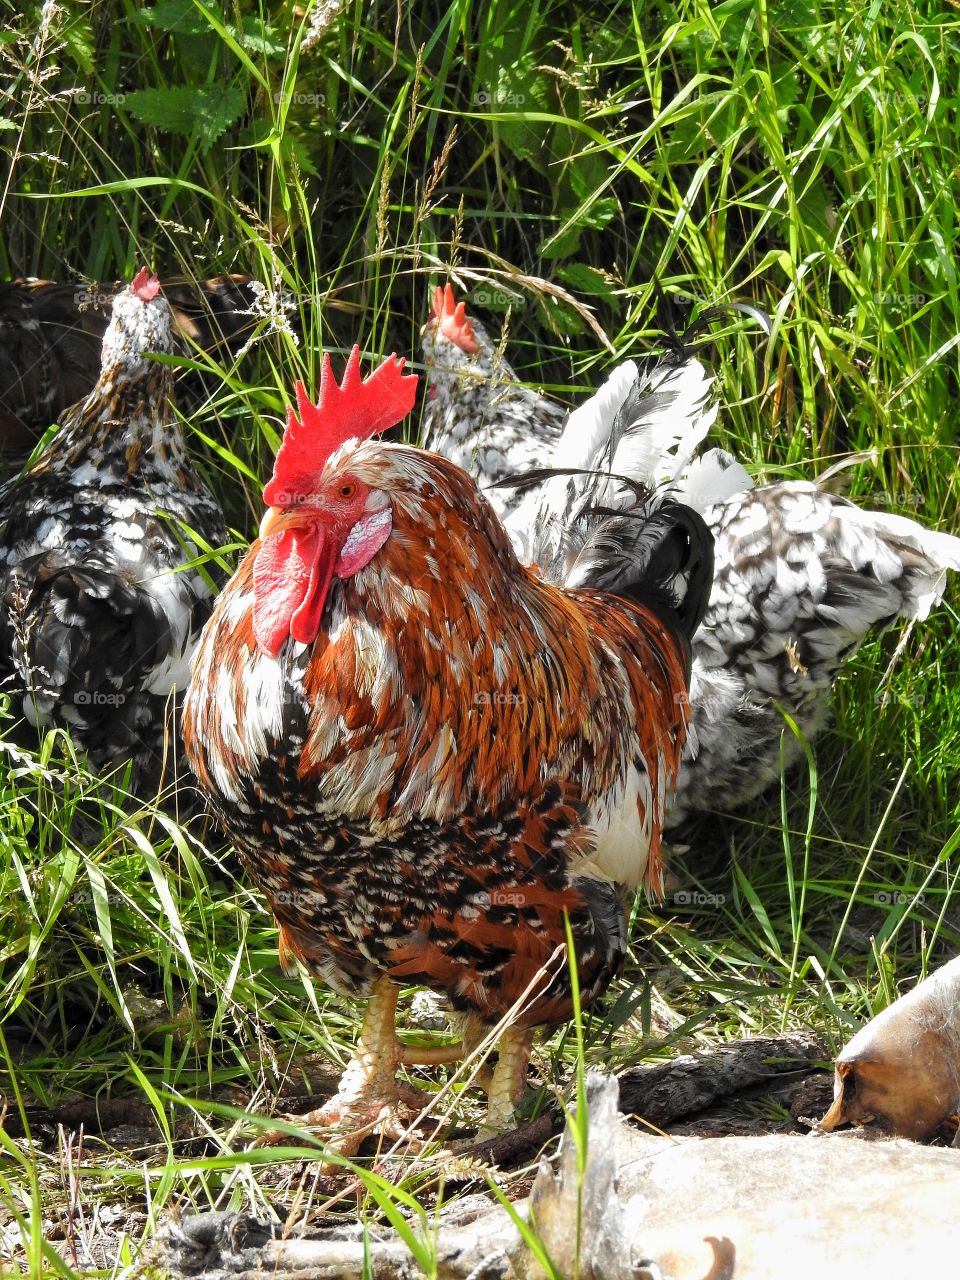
(626, 166)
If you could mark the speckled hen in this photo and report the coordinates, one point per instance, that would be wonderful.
(802, 576)
(51, 335)
(98, 612)
(425, 753)
(477, 413)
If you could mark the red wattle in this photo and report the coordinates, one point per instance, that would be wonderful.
(291, 578)
(305, 623)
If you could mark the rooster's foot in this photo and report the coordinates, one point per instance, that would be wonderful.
(503, 1083)
(506, 1083)
(369, 1099)
(342, 1125)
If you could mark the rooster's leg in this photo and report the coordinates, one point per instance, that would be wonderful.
(371, 1076)
(412, 1055)
(369, 1098)
(507, 1082)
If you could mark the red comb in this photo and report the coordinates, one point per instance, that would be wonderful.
(344, 411)
(455, 324)
(145, 286)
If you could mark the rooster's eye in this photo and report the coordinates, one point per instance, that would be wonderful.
(347, 490)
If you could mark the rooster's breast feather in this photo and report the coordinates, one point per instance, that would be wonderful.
(450, 679)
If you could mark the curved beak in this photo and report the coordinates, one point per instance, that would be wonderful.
(272, 521)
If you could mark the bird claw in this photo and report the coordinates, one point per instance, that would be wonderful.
(344, 1122)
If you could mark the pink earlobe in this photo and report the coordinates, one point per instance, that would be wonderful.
(366, 538)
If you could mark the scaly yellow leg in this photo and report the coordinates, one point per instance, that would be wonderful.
(369, 1098)
(441, 1055)
(372, 1071)
(507, 1082)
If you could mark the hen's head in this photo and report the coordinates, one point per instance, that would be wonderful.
(452, 339)
(139, 325)
(325, 519)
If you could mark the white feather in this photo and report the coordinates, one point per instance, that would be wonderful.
(645, 427)
(675, 417)
(622, 838)
(589, 425)
(714, 477)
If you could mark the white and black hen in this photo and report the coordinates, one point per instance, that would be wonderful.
(51, 334)
(801, 576)
(477, 414)
(98, 614)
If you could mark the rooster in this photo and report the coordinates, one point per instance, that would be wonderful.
(802, 575)
(428, 755)
(477, 413)
(99, 611)
(51, 334)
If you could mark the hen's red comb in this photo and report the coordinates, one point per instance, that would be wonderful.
(455, 324)
(344, 411)
(145, 286)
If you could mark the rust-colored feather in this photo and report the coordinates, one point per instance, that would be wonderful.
(466, 753)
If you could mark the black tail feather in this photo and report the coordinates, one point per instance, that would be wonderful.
(660, 557)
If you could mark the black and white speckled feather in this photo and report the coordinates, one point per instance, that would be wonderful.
(479, 416)
(97, 620)
(801, 575)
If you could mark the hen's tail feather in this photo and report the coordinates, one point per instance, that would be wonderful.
(919, 558)
(662, 421)
(639, 431)
(645, 425)
(658, 553)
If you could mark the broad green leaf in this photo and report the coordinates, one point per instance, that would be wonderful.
(257, 36)
(520, 89)
(178, 17)
(204, 113)
(585, 279)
